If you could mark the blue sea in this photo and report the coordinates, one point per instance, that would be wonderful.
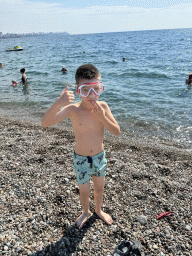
(147, 93)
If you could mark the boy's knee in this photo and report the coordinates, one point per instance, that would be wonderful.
(99, 189)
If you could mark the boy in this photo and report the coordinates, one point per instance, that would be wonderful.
(88, 117)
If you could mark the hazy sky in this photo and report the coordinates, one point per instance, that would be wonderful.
(82, 17)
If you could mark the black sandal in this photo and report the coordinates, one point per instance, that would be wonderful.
(122, 249)
(135, 249)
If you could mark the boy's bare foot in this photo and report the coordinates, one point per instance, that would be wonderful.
(82, 219)
(105, 217)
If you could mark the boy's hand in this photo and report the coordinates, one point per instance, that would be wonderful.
(66, 97)
(97, 109)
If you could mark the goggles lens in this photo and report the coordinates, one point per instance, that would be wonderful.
(96, 87)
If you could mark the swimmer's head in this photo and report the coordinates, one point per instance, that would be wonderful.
(64, 69)
(13, 81)
(22, 70)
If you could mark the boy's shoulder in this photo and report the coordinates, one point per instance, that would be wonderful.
(104, 104)
(73, 107)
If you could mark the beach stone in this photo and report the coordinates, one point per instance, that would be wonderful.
(155, 247)
(114, 228)
(66, 180)
(168, 236)
(142, 219)
(188, 228)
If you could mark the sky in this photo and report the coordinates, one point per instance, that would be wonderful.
(93, 16)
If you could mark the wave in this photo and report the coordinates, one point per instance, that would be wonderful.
(111, 62)
(140, 74)
(36, 73)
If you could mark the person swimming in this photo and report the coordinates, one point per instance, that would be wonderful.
(64, 69)
(1, 65)
(14, 83)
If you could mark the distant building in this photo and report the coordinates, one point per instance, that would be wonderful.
(9, 35)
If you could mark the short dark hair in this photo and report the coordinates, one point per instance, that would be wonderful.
(86, 71)
(22, 70)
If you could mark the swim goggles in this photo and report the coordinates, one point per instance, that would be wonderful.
(85, 89)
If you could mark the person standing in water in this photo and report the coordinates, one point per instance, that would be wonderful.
(24, 77)
(189, 79)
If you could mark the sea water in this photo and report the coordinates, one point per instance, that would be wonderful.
(147, 93)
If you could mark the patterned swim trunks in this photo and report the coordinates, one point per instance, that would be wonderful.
(87, 166)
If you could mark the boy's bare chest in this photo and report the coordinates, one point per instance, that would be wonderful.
(86, 121)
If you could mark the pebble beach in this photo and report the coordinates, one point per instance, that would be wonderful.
(40, 195)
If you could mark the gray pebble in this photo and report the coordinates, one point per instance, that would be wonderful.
(188, 228)
(142, 219)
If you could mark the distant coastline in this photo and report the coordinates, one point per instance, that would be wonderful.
(10, 35)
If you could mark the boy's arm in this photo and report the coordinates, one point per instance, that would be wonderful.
(53, 115)
(106, 117)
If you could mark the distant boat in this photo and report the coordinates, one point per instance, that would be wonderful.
(16, 48)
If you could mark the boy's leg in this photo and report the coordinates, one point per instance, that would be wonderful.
(84, 199)
(99, 183)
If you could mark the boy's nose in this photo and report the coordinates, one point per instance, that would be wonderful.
(92, 92)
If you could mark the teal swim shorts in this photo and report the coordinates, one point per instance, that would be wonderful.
(87, 166)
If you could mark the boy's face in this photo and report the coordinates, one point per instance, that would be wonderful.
(92, 96)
